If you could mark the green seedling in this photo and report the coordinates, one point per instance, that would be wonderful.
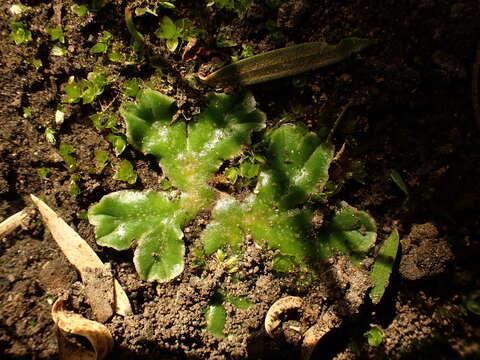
(101, 46)
(56, 34)
(32, 323)
(27, 113)
(472, 302)
(138, 41)
(247, 170)
(58, 50)
(104, 120)
(101, 160)
(96, 5)
(238, 6)
(247, 51)
(288, 61)
(118, 142)
(43, 173)
(222, 39)
(154, 219)
(50, 135)
(173, 32)
(131, 87)
(20, 33)
(74, 189)
(142, 11)
(398, 180)
(167, 4)
(216, 315)
(17, 9)
(85, 90)
(125, 172)
(382, 268)
(374, 335)
(66, 151)
(79, 10)
(37, 63)
(50, 299)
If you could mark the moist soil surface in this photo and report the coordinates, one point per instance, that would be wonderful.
(409, 113)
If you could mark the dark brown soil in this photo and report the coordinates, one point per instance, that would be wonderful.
(410, 110)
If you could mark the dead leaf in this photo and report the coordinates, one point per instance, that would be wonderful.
(81, 255)
(287, 61)
(12, 222)
(69, 323)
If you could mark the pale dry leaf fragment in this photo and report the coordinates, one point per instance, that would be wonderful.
(70, 323)
(12, 222)
(80, 254)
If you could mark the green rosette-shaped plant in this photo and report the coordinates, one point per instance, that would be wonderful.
(278, 213)
(189, 154)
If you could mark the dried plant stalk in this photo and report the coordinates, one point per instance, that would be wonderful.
(74, 324)
(12, 222)
(78, 252)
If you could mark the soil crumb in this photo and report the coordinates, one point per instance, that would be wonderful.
(424, 253)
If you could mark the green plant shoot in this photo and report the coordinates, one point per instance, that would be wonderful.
(382, 268)
(155, 220)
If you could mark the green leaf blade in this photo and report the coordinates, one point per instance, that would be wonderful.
(159, 255)
(382, 268)
(216, 316)
(151, 219)
(122, 217)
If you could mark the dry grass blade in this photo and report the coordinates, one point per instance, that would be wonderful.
(74, 324)
(12, 222)
(79, 253)
(288, 61)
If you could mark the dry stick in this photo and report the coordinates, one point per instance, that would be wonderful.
(12, 222)
(78, 252)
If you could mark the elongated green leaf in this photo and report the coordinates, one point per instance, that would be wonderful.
(382, 268)
(137, 38)
(288, 61)
(215, 317)
(350, 231)
(150, 218)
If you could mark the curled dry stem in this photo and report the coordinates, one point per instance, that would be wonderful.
(327, 321)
